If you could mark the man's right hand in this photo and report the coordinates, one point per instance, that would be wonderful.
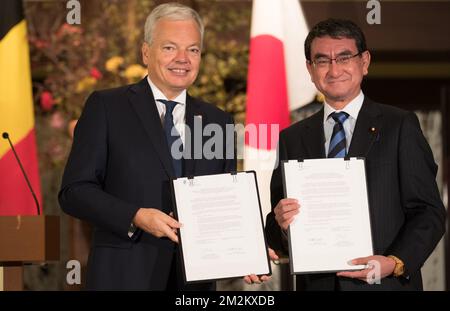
(157, 223)
(285, 211)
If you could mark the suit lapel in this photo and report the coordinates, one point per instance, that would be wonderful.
(143, 102)
(314, 136)
(194, 118)
(367, 129)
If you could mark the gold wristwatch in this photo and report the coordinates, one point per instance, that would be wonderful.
(399, 268)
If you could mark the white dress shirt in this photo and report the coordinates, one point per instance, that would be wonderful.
(179, 111)
(352, 108)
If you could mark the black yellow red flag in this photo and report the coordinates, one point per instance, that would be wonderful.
(16, 114)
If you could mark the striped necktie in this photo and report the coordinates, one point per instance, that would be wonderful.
(168, 125)
(337, 141)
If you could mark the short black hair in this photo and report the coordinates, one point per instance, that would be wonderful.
(336, 29)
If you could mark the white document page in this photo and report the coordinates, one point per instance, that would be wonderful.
(222, 233)
(333, 225)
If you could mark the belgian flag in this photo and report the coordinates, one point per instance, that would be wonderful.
(16, 114)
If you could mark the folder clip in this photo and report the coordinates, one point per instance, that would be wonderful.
(300, 164)
(234, 174)
(347, 162)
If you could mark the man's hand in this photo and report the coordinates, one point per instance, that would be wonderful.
(157, 223)
(253, 278)
(387, 266)
(285, 211)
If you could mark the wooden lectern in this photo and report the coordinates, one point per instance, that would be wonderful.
(23, 240)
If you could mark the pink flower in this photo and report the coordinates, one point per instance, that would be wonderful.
(95, 73)
(57, 120)
(47, 101)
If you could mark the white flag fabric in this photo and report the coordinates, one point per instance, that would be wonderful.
(278, 82)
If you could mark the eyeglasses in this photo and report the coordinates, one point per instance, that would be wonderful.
(325, 62)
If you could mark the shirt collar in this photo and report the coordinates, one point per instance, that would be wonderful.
(157, 94)
(352, 108)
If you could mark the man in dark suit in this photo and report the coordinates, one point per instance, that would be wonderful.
(124, 154)
(407, 214)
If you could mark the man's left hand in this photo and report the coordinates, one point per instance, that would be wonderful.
(386, 265)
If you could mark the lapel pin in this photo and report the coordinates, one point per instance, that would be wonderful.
(373, 130)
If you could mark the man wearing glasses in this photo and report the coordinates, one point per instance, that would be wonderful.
(407, 214)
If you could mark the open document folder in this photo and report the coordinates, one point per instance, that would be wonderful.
(333, 225)
(222, 234)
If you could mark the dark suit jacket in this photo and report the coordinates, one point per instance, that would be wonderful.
(407, 214)
(119, 163)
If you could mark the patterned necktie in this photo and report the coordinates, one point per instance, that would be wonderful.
(337, 141)
(168, 125)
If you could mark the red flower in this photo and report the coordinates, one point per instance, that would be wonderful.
(96, 74)
(47, 101)
(67, 29)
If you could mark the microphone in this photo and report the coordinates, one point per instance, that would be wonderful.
(5, 135)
